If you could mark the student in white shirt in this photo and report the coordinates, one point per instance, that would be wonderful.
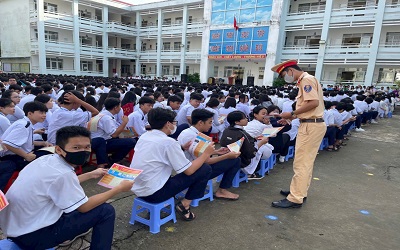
(229, 106)
(48, 206)
(29, 98)
(158, 98)
(158, 155)
(329, 120)
(212, 106)
(7, 107)
(226, 162)
(15, 98)
(70, 113)
(105, 135)
(184, 114)
(242, 105)
(41, 128)
(138, 119)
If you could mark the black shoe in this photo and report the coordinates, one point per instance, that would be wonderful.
(285, 203)
(254, 176)
(286, 193)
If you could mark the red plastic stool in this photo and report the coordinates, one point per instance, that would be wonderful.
(92, 160)
(215, 137)
(14, 176)
(131, 153)
(78, 170)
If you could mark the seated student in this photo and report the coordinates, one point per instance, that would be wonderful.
(338, 119)
(229, 106)
(184, 114)
(158, 98)
(105, 132)
(7, 107)
(138, 119)
(48, 205)
(226, 162)
(330, 133)
(29, 98)
(155, 184)
(69, 113)
(348, 119)
(292, 133)
(251, 151)
(15, 98)
(44, 126)
(212, 106)
(372, 109)
(18, 138)
(173, 103)
(128, 102)
(242, 105)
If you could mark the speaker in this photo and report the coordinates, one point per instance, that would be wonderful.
(184, 78)
(250, 81)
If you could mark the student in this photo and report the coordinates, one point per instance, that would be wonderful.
(226, 162)
(138, 119)
(242, 105)
(287, 105)
(44, 126)
(105, 133)
(212, 106)
(15, 98)
(184, 114)
(251, 151)
(18, 138)
(7, 107)
(48, 206)
(69, 113)
(158, 98)
(29, 98)
(229, 106)
(155, 184)
(174, 103)
(329, 119)
(128, 103)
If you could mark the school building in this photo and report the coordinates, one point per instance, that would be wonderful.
(341, 41)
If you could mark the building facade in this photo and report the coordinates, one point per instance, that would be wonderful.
(341, 41)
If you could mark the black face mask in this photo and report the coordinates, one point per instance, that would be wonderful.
(76, 158)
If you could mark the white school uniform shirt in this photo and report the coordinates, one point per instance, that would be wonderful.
(361, 106)
(158, 105)
(216, 123)
(346, 115)
(138, 121)
(183, 113)
(4, 124)
(224, 111)
(255, 128)
(329, 117)
(287, 106)
(205, 93)
(337, 117)
(18, 114)
(294, 129)
(244, 108)
(45, 189)
(25, 99)
(44, 124)
(106, 126)
(186, 136)
(280, 102)
(19, 135)
(64, 117)
(166, 155)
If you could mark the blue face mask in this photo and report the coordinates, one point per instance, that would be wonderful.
(76, 158)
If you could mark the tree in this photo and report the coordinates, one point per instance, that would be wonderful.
(278, 82)
(194, 78)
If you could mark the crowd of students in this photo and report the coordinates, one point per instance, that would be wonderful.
(160, 121)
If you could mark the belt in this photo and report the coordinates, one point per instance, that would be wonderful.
(316, 120)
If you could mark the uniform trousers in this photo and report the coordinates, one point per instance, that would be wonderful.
(118, 147)
(7, 169)
(331, 135)
(308, 140)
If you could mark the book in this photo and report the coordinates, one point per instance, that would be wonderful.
(118, 173)
(199, 144)
(271, 132)
(49, 149)
(222, 118)
(3, 201)
(129, 132)
(236, 146)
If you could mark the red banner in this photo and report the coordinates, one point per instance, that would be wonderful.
(226, 57)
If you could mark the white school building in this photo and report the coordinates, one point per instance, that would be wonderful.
(341, 41)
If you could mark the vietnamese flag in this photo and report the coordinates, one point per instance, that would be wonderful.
(235, 23)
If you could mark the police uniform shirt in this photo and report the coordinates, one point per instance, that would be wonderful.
(45, 189)
(309, 90)
(185, 112)
(4, 124)
(166, 155)
(138, 121)
(186, 136)
(18, 114)
(19, 135)
(106, 126)
(64, 117)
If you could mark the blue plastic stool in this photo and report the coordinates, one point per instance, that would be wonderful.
(208, 194)
(290, 154)
(353, 126)
(324, 144)
(239, 177)
(264, 167)
(390, 114)
(272, 161)
(155, 221)
(9, 245)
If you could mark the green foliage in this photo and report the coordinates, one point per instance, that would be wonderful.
(194, 78)
(278, 82)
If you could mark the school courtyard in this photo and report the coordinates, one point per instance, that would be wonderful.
(353, 203)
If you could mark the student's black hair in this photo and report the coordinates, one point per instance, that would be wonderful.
(349, 107)
(7, 94)
(255, 102)
(213, 103)
(230, 102)
(15, 87)
(272, 108)
(158, 117)
(146, 99)
(341, 106)
(65, 133)
(292, 96)
(43, 98)
(113, 94)
(360, 97)
(257, 109)
(129, 97)
(196, 96)
(377, 99)
(34, 106)
(181, 95)
(335, 103)
(234, 116)
(36, 91)
(328, 104)
(157, 94)
(369, 100)
(174, 98)
(46, 87)
(242, 98)
(201, 115)
(111, 103)
(78, 94)
(4, 102)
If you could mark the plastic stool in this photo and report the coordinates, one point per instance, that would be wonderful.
(14, 176)
(264, 167)
(92, 159)
(215, 137)
(9, 245)
(154, 209)
(353, 126)
(290, 154)
(390, 114)
(324, 144)
(239, 177)
(272, 161)
(208, 194)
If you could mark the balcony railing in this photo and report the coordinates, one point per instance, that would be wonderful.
(121, 53)
(121, 28)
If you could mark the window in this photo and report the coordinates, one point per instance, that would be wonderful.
(51, 36)
(126, 46)
(187, 45)
(85, 40)
(229, 70)
(178, 20)
(143, 69)
(167, 46)
(187, 70)
(50, 7)
(167, 21)
(143, 47)
(307, 7)
(190, 19)
(177, 45)
(216, 71)
(54, 63)
(261, 73)
(393, 38)
(176, 70)
(86, 66)
(85, 14)
(165, 70)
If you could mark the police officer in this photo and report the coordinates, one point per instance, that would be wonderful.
(309, 110)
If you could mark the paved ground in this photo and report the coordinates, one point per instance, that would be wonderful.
(364, 175)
